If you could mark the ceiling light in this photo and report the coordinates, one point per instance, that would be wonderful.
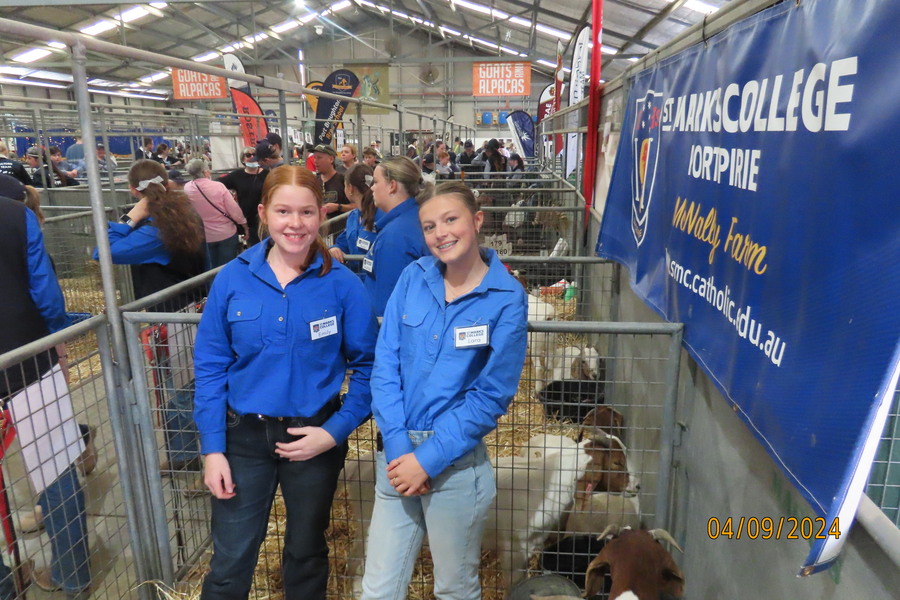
(286, 26)
(132, 14)
(206, 57)
(154, 77)
(341, 5)
(98, 27)
(159, 5)
(126, 94)
(546, 63)
(57, 45)
(31, 55)
(32, 83)
(700, 7)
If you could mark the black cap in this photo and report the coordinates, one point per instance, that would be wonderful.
(176, 176)
(264, 150)
(326, 149)
(428, 159)
(11, 188)
(468, 144)
(274, 139)
(515, 156)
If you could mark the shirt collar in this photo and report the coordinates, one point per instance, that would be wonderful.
(255, 258)
(407, 206)
(496, 278)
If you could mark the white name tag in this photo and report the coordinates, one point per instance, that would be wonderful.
(368, 265)
(471, 337)
(323, 328)
(363, 244)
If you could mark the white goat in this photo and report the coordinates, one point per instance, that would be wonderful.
(540, 343)
(359, 482)
(571, 362)
(594, 512)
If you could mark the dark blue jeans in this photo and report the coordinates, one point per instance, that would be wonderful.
(66, 522)
(239, 524)
(223, 251)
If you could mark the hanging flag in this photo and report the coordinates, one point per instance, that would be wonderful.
(580, 66)
(253, 125)
(234, 64)
(521, 125)
(546, 105)
(328, 111)
(558, 77)
(754, 199)
(310, 98)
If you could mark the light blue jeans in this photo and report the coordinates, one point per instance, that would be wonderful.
(452, 514)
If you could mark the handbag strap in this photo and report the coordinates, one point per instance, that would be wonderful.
(222, 212)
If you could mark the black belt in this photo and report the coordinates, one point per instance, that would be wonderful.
(316, 420)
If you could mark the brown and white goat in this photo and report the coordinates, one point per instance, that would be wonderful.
(639, 566)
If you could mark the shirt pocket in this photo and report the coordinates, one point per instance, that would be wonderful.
(246, 326)
(413, 332)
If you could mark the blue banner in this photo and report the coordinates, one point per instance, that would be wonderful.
(521, 126)
(755, 198)
(329, 112)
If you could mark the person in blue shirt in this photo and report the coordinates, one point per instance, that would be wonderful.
(359, 228)
(33, 307)
(397, 188)
(448, 360)
(282, 325)
(162, 238)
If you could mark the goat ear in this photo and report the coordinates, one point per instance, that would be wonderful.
(594, 576)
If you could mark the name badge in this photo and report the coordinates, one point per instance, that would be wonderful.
(323, 328)
(363, 244)
(368, 265)
(471, 337)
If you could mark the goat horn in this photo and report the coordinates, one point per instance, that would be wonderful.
(662, 534)
(610, 530)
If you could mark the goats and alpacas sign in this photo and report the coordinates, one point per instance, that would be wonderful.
(754, 198)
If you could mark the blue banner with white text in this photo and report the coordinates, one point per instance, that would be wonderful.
(755, 199)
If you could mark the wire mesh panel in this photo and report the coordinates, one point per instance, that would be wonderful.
(62, 506)
(884, 480)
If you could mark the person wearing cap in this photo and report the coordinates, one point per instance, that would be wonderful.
(336, 201)
(13, 168)
(428, 164)
(220, 213)
(104, 161)
(247, 184)
(376, 146)
(465, 158)
(275, 141)
(33, 307)
(490, 160)
(42, 172)
(370, 156)
(267, 156)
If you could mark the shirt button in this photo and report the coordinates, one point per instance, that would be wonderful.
(238, 313)
(284, 295)
(435, 337)
(281, 318)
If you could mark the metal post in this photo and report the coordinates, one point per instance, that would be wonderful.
(359, 141)
(286, 145)
(667, 433)
(147, 449)
(402, 149)
(38, 141)
(135, 503)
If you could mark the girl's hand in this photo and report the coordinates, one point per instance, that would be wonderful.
(314, 442)
(331, 207)
(407, 475)
(338, 254)
(217, 476)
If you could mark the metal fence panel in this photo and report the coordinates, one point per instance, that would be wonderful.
(63, 501)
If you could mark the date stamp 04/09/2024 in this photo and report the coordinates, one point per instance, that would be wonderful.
(773, 528)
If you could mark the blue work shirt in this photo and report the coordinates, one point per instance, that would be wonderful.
(399, 242)
(266, 350)
(135, 246)
(43, 287)
(354, 230)
(422, 380)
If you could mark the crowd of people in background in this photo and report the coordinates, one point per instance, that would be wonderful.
(261, 223)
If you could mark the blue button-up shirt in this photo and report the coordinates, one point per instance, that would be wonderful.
(399, 242)
(42, 283)
(423, 382)
(354, 230)
(137, 246)
(257, 351)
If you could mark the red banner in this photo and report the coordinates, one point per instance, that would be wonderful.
(253, 126)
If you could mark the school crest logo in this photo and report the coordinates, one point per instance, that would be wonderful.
(461, 336)
(315, 328)
(645, 144)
